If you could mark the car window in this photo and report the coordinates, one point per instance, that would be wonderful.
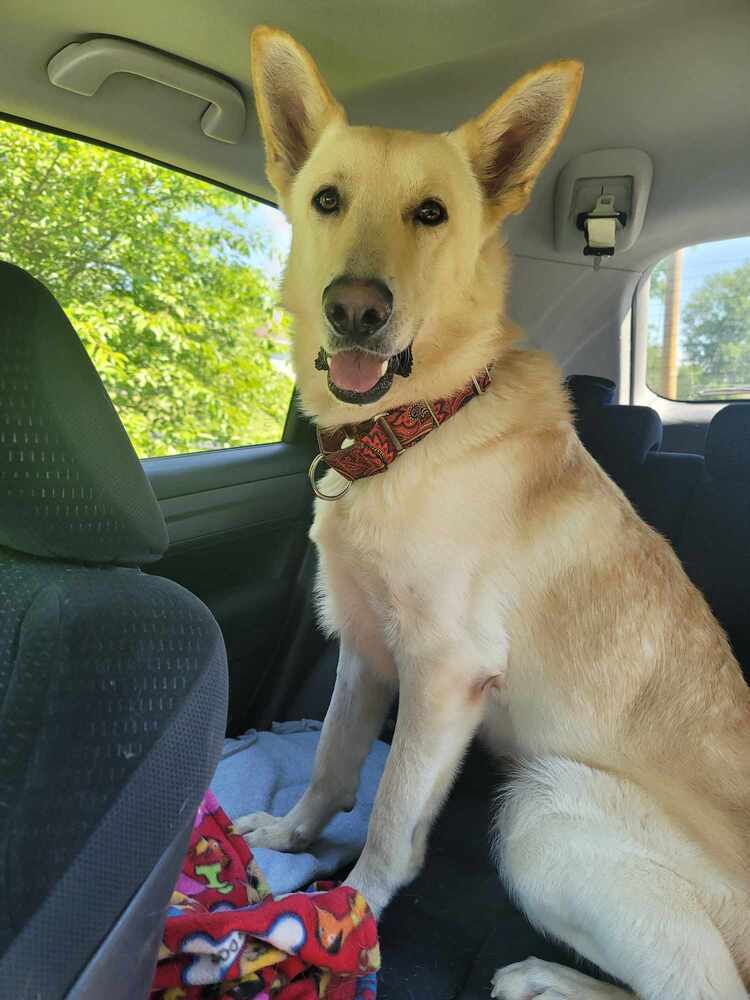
(171, 283)
(699, 323)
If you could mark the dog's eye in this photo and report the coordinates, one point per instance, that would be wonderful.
(327, 200)
(430, 213)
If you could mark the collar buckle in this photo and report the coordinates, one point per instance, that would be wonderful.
(320, 457)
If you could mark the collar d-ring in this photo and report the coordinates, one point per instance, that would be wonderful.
(311, 476)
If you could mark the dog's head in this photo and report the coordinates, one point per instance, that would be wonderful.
(395, 276)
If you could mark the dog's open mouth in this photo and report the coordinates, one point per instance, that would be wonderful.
(356, 376)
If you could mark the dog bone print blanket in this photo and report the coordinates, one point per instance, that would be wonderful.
(227, 938)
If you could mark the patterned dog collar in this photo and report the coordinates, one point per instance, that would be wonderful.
(378, 442)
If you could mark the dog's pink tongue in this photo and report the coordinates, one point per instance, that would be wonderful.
(354, 370)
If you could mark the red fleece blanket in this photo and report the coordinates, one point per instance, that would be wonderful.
(227, 938)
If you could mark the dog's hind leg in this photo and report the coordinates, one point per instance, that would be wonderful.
(595, 864)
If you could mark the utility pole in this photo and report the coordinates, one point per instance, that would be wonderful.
(671, 336)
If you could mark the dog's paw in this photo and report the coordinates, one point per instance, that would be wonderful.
(534, 979)
(274, 832)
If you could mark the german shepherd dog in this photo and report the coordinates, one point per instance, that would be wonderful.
(492, 573)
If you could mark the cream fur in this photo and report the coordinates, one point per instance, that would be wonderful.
(504, 584)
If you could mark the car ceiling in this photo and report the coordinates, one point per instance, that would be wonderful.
(671, 77)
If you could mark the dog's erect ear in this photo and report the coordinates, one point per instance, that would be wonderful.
(294, 104)
(512, 140)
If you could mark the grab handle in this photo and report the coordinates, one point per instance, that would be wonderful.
(82, 67)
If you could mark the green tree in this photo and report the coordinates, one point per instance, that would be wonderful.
(158, 274)
(716, 333)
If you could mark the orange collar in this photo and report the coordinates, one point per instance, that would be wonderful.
(378, 442)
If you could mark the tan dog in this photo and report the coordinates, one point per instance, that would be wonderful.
(494, 574)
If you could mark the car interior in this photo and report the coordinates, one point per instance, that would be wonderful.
(155, 600)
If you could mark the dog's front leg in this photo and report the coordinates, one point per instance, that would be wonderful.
(361, 699)
(439, 712)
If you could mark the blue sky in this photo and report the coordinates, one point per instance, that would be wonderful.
(709, 258)
(261, 220)
(271, 222)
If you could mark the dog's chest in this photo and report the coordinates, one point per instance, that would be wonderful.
(413, 580)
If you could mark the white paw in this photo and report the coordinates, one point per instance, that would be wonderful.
(535, 978)
(274, 832)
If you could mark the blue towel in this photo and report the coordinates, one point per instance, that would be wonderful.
(268, 772)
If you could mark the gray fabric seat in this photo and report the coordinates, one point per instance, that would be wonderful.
(113, 684)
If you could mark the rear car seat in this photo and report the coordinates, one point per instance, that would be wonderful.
(625, 440)
(702, 506)
(714, 544)
(588, 394)
(113, 684)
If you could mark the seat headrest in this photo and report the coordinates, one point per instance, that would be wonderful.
(728, 444)
(589, 392)
(617, 434)
(71, 486)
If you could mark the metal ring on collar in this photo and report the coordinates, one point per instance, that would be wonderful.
(311, 476)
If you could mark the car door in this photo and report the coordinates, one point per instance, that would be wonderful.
(238, 522)
(172, 284)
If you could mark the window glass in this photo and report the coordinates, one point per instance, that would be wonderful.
(699, 323)
(171, 283)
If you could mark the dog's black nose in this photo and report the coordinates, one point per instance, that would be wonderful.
(357, 307)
